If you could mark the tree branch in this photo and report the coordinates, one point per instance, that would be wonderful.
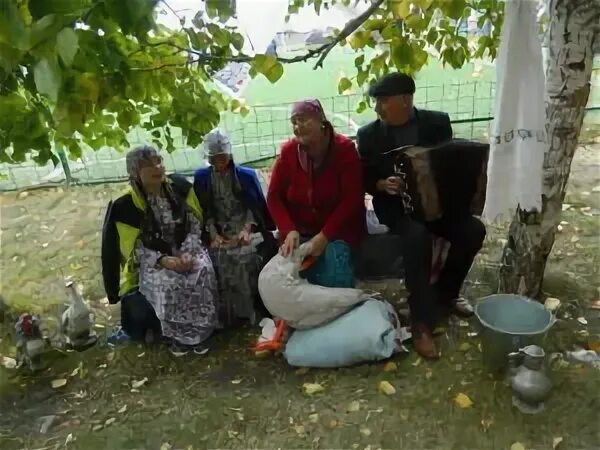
(348, 29)
(322, 51)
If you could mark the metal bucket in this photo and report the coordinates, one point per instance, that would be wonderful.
(510, 322)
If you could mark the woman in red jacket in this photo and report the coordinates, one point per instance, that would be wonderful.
(316, 189)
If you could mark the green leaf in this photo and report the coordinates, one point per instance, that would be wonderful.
(237, 40)
(12, 26)
(268, 66)
(45, 29)
(401, 8)
(41, 8)
(361, 77)
(343, 85)
(235, 105)
(67, 44)
(432, 36)
(48, 78)
(244, 111)
(454, 9)
(359, 39)
(359, 61)
(362, 106)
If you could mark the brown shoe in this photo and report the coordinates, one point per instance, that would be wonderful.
(423, 342)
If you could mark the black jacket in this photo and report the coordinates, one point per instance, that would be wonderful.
(376, 138)
(123, 225)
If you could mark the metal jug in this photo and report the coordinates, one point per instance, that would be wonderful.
(529, 382)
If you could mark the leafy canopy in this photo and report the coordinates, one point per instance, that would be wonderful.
(83, 73)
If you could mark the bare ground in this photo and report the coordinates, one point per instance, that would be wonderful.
(230, 399)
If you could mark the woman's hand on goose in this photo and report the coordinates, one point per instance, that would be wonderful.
(292, 240)
(317, 245)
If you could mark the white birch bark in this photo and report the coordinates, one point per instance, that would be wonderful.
(574, 32)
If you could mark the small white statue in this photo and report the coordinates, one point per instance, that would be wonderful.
(76, 321)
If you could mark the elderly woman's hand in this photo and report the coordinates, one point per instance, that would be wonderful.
(292, 240)
(317, 245)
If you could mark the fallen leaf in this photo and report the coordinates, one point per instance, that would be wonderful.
(123, 409)
(97, 427)
(386, 388)
(365, 431)
(166, 446)
(299, 429)
(60, 382)
(559, 228)
(262, 353)
(75, 372)
(563, 223)
(141, 355)
(465, 347)
(312, 388)
(333, 423)
(428, 374)
(239, 416)
(140, 383)
(417, 362)
(517, 446)
(596, 189)
(582, 320)
(81, 244)
(302, 371)
(390, 367)
(109, 422)
(314, 418)
(45, 245)
(238, 381)
(463, 400)
(69, 439)
(556, 441)
(551, 303)
(574, 239)
(102, 366)
(565, 206)
(353, 406)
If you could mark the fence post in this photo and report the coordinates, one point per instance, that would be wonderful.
(62, 155)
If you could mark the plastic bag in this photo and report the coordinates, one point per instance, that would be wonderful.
(303, 305)
(369, 332)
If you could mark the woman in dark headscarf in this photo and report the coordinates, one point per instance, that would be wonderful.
(153, 259)
(316, 191)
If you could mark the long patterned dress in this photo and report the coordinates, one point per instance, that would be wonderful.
(185, 303)
(237, 267)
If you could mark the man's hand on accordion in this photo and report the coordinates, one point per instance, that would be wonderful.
(392, 185)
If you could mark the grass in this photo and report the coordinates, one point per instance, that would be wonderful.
(230, 399)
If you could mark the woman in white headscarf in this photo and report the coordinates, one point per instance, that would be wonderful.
(153, 259)
(239, 226)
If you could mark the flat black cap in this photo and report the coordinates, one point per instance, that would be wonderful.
(395, 83)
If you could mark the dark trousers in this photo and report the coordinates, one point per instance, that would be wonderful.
(138, 316)
(465, 234)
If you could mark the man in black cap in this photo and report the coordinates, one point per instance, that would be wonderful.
(400, 124)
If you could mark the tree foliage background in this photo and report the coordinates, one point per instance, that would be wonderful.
(82, 73)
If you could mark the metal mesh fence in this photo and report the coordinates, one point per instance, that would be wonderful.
(257, 136)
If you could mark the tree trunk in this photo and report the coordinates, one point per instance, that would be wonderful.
(574, 26)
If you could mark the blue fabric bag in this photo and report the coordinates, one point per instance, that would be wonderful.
(366, 333)
(334, 267)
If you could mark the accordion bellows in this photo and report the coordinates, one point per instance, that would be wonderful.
(448, 179)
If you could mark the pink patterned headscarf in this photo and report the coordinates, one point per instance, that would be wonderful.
(311, 107)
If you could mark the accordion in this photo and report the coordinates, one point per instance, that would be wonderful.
(446, 180)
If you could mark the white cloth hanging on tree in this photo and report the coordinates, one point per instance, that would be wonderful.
(518, 137)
